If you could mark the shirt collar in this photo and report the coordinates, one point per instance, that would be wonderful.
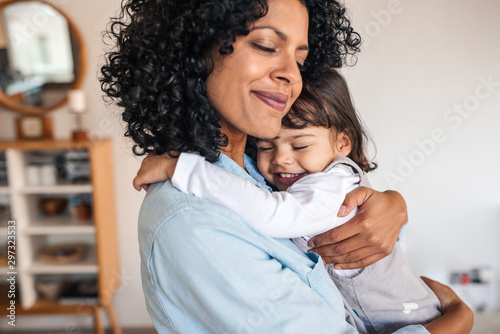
(253, 174)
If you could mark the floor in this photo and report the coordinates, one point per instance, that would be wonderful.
(484, 323)
(125, 331)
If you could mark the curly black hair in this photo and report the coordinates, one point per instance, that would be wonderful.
(158, 66)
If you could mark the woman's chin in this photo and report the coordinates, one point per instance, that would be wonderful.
(268, 131)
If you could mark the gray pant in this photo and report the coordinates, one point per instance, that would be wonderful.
(388, 295)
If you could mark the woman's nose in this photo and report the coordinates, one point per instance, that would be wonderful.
(287, 70)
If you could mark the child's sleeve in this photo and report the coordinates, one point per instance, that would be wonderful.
(308, 207)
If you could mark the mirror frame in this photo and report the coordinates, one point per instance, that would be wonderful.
(81, 65)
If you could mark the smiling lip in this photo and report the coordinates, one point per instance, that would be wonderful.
(275, 100)
(288, 178)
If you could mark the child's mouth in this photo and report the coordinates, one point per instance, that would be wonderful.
(288, 179)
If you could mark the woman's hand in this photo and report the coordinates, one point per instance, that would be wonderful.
(154, 168)
(457, 317)
(369, 236)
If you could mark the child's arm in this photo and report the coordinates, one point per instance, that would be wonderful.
(308, 207)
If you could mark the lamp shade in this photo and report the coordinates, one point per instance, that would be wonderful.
(76, 100)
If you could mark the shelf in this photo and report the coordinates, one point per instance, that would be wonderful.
(45, 306)
(59, 226)
(56, 189)
(36, 230)
(49, 145)
(86, 266)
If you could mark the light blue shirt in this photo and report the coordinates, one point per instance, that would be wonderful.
(205, 270)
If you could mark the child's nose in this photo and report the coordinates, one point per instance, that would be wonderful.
(282, 158)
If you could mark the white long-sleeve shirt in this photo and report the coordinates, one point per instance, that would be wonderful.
(307, 208)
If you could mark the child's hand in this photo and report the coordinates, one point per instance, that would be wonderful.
(154, 168)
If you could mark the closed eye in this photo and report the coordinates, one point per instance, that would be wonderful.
(300, 148)
(264, 48)
(264, 148)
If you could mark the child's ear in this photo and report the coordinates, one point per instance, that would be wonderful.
(343, 144)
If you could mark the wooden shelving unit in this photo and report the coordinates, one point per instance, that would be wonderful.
(34, 230)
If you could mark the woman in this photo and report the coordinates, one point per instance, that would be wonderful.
(201, 76)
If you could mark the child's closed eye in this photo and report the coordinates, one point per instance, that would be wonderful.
(298, 148)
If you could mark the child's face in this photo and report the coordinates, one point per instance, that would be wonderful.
(295, 153)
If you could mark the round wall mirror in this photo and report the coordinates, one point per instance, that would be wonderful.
(42, 56)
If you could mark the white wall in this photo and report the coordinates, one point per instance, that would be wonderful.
(424, 61)
(421, 60)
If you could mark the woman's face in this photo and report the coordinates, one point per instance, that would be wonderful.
(255, 86)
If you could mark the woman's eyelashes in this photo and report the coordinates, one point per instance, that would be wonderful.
(264, 48)
(267, 49)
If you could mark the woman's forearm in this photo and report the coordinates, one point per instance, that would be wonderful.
(457, 317)
(457, 320)
(370, 235)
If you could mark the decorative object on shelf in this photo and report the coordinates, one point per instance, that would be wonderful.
(4, 213)
(49, 286)
(76, 166)
(3, 170)
(53, 206)
(81, 290)
(3, 255)
(83, 210)
(48, 175)
(80, 206)
(78, 106)
(63, 253)
(33, 175)
(45, 168)
(34, 127)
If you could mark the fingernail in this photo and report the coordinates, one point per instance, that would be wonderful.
(310, 243)
(337, 266)
(342, 210)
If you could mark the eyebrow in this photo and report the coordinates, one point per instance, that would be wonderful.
(282, 36)
(291, 137)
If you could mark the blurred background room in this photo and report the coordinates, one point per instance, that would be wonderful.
(427, 84)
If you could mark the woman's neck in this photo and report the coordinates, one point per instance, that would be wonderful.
(236, 144)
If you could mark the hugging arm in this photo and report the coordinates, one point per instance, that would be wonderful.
(362, 241)
(369, 236)
(308, 207)
(457, 317)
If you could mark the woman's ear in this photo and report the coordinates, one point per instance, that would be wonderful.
(343, 144)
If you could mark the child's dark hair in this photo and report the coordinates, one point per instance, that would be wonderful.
(329, 104)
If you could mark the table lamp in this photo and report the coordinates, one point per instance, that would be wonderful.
(78, 106)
